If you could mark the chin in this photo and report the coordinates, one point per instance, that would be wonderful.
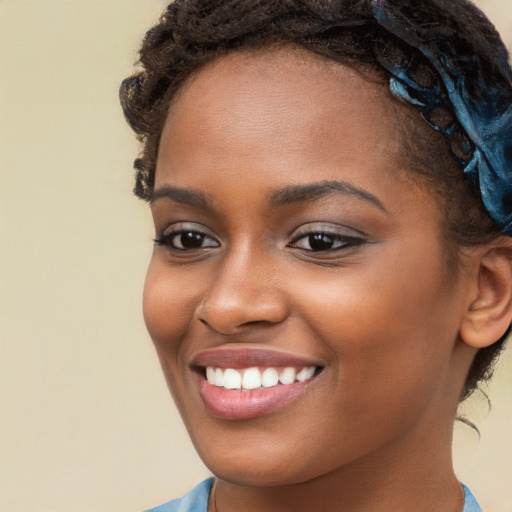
(253, 460)
(260, 473)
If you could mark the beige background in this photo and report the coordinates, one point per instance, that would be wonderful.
(86, 421)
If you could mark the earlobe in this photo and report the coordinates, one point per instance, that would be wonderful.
(490, 312)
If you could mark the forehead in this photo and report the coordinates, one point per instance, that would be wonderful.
(285, 109)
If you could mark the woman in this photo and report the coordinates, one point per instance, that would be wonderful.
(329, 182)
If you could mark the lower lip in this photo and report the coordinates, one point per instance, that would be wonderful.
(245, 405)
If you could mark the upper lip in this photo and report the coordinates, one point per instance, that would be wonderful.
(245, 357)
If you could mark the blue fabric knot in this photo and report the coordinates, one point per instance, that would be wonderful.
(482, 108)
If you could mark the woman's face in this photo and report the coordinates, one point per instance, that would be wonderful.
(293, 246)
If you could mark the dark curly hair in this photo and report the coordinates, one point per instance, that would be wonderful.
(191, 33)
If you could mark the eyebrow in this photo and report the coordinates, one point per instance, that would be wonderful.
(181, 195)
(282, 197)
(313, 191)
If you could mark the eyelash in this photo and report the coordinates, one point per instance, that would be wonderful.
(313, 236)
(326, 237)
(168, 238)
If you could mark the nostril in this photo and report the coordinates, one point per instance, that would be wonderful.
(230, 315)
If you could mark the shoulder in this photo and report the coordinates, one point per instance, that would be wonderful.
(196, 500)
(470, 503)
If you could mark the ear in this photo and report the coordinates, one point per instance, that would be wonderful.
(490, 311)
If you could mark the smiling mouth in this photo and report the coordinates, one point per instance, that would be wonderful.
(243, 383)
(248, 393)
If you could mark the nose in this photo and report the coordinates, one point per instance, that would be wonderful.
(244, 292)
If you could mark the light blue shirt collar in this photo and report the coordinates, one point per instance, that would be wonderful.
(196, 500)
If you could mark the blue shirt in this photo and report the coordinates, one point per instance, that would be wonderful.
(196, 500)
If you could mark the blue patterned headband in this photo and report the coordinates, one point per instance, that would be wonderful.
(482, 108)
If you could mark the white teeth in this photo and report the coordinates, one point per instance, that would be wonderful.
(305, 374)
(251, 379)
(287, 376)
(232, 379)
(210, 375)
(254, 378)
(269, 378)
(219, 377)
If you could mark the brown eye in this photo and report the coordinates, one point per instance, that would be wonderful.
(321, 242)
(186, 240)
(318, 242)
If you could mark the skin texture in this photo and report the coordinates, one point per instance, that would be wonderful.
(380, 312)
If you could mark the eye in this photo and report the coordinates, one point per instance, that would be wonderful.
(186, 240)
(319, 241)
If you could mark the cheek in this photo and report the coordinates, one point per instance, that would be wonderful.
(168, 305)
(393, 323)
(169, 302)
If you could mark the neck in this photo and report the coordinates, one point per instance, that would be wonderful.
(417, 475)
